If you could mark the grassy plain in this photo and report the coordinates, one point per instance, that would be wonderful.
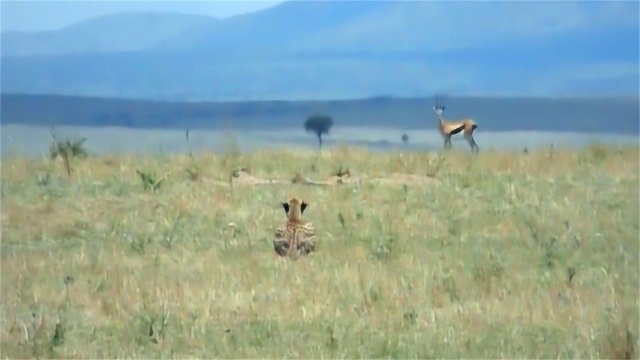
(501, 255)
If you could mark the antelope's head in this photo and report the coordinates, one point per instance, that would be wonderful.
(438, 109)
(294, 209)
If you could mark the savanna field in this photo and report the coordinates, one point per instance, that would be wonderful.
(496, 255)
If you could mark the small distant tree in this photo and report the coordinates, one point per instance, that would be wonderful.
(67, 149)
(319, 125)
(405, 138)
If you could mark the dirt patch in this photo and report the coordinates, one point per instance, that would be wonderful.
(406, 179)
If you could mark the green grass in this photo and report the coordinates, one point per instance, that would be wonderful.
(474, 264)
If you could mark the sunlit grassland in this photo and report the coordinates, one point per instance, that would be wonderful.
(502, 255)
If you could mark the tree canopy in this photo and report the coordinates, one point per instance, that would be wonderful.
(319, 125)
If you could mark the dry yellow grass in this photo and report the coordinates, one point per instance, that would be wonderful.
(503, 255)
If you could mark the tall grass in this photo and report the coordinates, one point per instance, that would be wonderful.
(502, 255)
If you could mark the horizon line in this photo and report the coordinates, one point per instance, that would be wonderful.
(350, 99)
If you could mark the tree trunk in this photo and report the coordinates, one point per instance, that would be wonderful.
(320, 141)
(67, 163)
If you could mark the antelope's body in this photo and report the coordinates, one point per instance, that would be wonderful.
(448, 128)
(296, 236)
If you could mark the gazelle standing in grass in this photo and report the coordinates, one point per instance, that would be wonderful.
(449, 128)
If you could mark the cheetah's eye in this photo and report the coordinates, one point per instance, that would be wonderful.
(302, 207)
(286, 207)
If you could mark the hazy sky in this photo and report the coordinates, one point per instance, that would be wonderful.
(25, 15)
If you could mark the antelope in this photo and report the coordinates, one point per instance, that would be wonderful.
(452, 127)
(295, 236)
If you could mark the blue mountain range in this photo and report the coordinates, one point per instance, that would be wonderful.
(337, 49)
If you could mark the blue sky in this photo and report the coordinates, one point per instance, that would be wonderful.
(24, 15)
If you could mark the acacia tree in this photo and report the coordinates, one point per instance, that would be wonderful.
(319, 124)
(405, 138)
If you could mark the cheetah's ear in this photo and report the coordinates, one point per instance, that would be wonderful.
(302, 207)
(286, 207)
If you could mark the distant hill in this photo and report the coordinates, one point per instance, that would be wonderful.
(109, 33)
(278, 29)
(350, 49)
(587, 115)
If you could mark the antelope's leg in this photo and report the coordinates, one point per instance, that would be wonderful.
(472, 142)
(474, 145)
(447, 142)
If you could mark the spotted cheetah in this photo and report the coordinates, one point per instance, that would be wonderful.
(295, 237)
